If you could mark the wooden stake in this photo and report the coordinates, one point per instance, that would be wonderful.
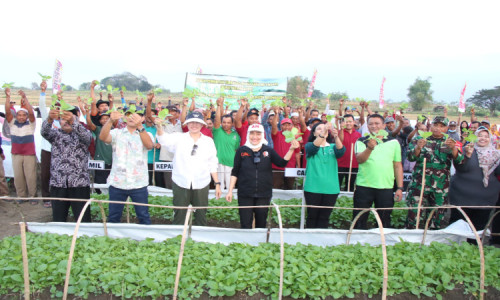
(350, 171)
(181, 252)
(282, 251)
(103, 215)
(384, 253)
(421, 194)
(24, 248)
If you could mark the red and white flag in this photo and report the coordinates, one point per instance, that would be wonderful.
(310, 89)
(381, 97)
(461, 103)
(56, 79)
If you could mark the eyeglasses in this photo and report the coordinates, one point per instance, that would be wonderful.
(256, 157)
(193, 152)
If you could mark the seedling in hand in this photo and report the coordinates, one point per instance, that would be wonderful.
(157, 91)
(7, 85)
(44, 77)
(110, 89)
(291, 134)
(381, 133)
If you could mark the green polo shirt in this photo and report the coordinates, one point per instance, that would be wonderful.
(226, 145)
(103, 151)
(322, 169)
(378, 171)
(153, 153)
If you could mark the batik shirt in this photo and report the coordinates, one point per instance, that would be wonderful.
(70, 155)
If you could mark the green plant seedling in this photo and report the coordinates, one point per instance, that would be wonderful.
(329, 118)
(381, 133)
(157, 91)
(424, 134)
(291, 134)
(54, 101)
(44, 77)
(65, 107)
(403, 106)
(7, 85)
(421, 118)
(110, 89)
(471, 138)
(63, 88)
(163, 114)
(124, 89)
(278, 103)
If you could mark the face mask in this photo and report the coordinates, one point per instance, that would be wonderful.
(452, 131)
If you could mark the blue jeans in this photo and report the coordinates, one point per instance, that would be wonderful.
(139, 195)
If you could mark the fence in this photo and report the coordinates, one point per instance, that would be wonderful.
(187, 232)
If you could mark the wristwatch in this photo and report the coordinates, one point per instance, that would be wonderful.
(217, 183)
(400, 188)
(141, 130)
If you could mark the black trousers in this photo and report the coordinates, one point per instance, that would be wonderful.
(478, 216)
(60, 208)
(158, 176)
(496, 225)
(45, 172)
(101, 176)
(319, 217)
(246, 214)
(344, 175)
(365, 197)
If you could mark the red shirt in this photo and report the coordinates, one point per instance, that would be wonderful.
(204, 130)
(242, 131)
(281, 147)
(349, 141)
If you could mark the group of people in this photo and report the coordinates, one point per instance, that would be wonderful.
(248, 150)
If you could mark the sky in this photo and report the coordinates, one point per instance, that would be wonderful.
(352, 44)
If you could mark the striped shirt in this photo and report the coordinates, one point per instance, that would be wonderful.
(22, 137)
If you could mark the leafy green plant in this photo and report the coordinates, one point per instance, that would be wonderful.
(54, 101)
(65, 106)
(190, 93)
(421, 118)
(424, 134)
(163, 113)
(139, 94)
(381, 133)
(44, 77)
(157, 91)
(277, 103)
(329, 118)
(124, 89)
(110, 89)
(7, 85)
(471, 137)
(291, 134)
(403, 106)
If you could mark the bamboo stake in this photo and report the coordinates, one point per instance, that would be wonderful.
(26, 272)
(128, 210)
(103, 214)
(153, 180)
(427, 226)
(72, 249)
(269, 220)
(384, 253)
(354, 223)
(181, 253)
(350, 171)
(488, 225)
(421, 194)
(481, 252)
(282, 251)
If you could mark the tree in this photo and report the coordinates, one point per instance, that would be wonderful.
(35, 86)
(336, 96)
(488, 99)
(84, 86)
(297, 87)
(420, 93)
(129, 80)
(317, 94)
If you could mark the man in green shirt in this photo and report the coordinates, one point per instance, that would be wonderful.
(379, 158)
(227, 141)
(103, 151)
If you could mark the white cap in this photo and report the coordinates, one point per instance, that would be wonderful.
(256, 127)
(294, 114)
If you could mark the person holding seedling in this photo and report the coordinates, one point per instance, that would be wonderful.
(129, 172)
(195, 161)
(439, 151)
(227, 141)
(170, 124)
(241, 127)
(253, 172)
(69, 176)
(348, 163)
(379, 159)
(155, 178)
(100, 106)
(282, 140)
(321, 185)
(22, 130)
(475, 182)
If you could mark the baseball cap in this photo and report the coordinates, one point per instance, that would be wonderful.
(271, 113)
(389, 120)
(286, 120)
(310, 121)
(195, 116)
(253, 111)
(485, 121)
(442, 120)
(294, 114)
(101, 102)
(453, 123)
(256, 127)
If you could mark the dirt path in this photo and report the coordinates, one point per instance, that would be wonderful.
(11, 213)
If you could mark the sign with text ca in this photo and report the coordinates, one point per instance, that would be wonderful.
(295, 172)
(206, 87)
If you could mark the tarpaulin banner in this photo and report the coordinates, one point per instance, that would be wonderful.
(310, 89)
(56, 79)
(461, 103)
(206, 87)
(381, 97)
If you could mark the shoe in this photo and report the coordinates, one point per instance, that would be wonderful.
(47, 204)
(34, 202)
(19, 201)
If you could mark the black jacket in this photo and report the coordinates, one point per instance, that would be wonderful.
(256, 179)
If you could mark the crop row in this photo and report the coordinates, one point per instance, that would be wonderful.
(127, 268)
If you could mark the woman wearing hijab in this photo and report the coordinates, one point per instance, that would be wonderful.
(253, 171)
(321, 185)
(475, 182)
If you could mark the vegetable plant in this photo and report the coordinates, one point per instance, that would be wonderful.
(157, 91)
(7, 85)
(139, 94)
(291, 134)
(421, 118)
(44, 77)
(163, 113)
(403, 106)
(471, 137)
(124, 89)
(110, 89)
(381, 133)
(191, 93)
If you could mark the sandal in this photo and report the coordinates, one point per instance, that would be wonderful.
(34, 202)
(47, 204)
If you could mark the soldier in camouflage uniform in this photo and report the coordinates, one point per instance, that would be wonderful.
(439, 151)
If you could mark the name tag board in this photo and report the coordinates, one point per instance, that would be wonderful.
(164, 166)
(295, 172)
(407, 177)
(96, 164)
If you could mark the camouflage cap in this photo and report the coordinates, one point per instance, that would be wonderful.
(442, 120)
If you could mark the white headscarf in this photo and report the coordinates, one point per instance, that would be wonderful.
(488, 157)
(255, 127)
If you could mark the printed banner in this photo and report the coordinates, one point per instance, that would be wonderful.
(461, 103)
(206, 87)
(381, 97)
(56, 79)
(310, 89)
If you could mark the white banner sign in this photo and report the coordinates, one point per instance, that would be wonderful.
(164, 166)
(96, 164)
(295, 172)
(56, 79)
(407, 177)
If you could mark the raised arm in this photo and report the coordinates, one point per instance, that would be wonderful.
(26, 104)
(239, 114)
(90, 124)
(362, 113)
(93, 107)
(303, 126)
(274, 123)
(218, 112)
(341, 106)
(184, 109)
(8, 112)
(365, 155)
(193, 105)
(150, 96)
(105, 135)
(110, 99)
(41, 102)
(397, 130)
